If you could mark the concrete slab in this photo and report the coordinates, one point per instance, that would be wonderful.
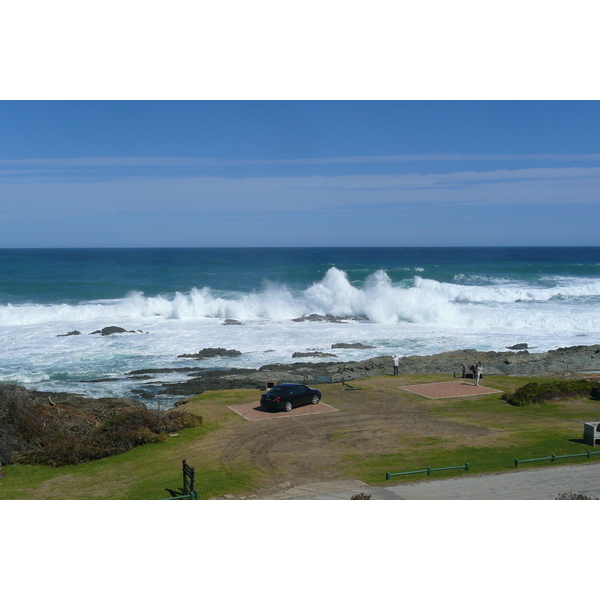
(254, 411)
(449, 389)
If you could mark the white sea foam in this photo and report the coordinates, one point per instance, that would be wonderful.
(420, 316)
(379, 300)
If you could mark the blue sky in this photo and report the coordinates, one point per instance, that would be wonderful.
(299, 173)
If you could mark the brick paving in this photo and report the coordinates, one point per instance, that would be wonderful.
(449, 389)
(254, 412)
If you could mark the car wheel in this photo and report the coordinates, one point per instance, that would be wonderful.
(316, 399)
(288, 406)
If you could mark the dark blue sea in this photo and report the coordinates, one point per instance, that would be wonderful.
(405, 301)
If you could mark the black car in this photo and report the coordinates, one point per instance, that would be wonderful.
(287, 395)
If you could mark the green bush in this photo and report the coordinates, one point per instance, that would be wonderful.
(550, 391)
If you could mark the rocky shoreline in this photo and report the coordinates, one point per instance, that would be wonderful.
(563, 362)
(517, 360)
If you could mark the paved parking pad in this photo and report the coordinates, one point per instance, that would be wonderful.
(254, 411)
(449, 389)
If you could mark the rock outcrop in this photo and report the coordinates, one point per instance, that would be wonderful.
(356, 346)
(211, 353)
(113, 329)
(320, 318)
(313, 354)
(563, 361)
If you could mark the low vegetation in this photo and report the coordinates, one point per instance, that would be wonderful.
(550, 391)
(377, 429)
(574, 496)
(32, 433)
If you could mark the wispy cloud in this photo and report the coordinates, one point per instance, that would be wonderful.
(298, 194)
(197, 162)
(206, 210)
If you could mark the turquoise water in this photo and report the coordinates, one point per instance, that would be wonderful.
(72, 275)
(401, 300)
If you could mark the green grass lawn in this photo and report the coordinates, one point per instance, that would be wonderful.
(535, 431)
(501, 433)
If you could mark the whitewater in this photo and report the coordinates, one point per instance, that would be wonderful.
(407, 312)
(423, 318)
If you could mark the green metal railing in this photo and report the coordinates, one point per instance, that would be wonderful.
(428, 470)
(187, 491)
(552, 458)
(191, 496)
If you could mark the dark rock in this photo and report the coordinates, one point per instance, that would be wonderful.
(111, 330)
(74, 332)
(563, 361)
(357, 346)
(143, 394)
(313, 354)
(230, 322)
(315, 318)
(518, 347)
(211, 353)
(138, 372)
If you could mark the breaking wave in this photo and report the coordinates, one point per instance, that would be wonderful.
(378, 300)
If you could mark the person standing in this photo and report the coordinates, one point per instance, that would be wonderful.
(396, 363)
(478, 372)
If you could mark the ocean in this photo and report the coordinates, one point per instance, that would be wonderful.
(403, 301)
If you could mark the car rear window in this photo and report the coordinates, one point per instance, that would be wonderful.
(279, 389)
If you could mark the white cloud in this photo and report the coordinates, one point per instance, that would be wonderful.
(196, 195)
(198, 162)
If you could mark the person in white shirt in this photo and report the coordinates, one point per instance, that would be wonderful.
(478, 372)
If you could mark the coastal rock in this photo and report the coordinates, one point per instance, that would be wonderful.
(357, 346)
(111, 330)
(74, 332)
(211, 353)
(519, 347)
(231, 322)
(313, 354)
(563, 361)
(316, 318)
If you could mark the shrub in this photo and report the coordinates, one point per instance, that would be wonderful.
(35, 433)
(573, 496)
(550, 391)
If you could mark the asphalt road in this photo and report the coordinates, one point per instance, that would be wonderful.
(523, 483)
